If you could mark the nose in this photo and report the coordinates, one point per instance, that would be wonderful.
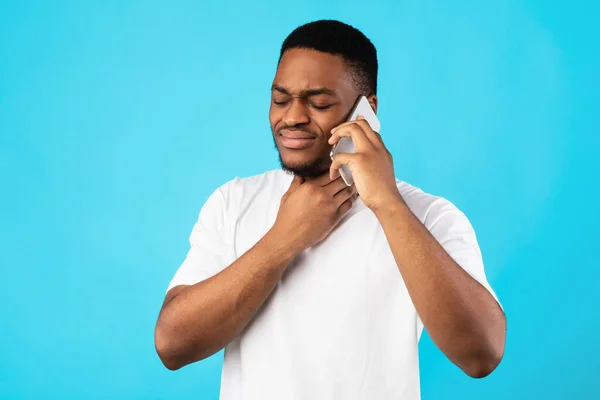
(296, 114)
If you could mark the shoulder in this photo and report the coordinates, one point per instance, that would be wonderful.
(241, 190)
(265, 181)
(430, 209)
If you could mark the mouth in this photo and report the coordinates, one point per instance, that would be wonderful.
(296, 140)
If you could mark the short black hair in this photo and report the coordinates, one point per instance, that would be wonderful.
(337, 38)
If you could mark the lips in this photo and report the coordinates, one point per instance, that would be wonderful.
(296, 139)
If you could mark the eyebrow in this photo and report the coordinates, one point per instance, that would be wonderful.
(306, 92)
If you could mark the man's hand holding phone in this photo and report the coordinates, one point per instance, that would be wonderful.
(371, 164)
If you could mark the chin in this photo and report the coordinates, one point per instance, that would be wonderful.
(309, 162)
(308, 167)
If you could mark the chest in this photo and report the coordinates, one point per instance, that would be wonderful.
(345, 293)
(353, 268)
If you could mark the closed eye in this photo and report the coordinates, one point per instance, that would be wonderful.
(321, 107)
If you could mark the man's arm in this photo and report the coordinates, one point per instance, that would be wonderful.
(461, 316)
(199, 320)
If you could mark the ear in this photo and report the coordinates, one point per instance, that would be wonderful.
(373, 102)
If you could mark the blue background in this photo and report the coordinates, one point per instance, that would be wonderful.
(119, 118)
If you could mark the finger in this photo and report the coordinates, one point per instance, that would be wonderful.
(360, 120)
(335, 186)
(345, 206)
(345, 193)
(373, 136)
(351, 130)
(340, 160)
(334, 174)
(322, 180)
(354, 131)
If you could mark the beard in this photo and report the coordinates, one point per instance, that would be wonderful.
(308, 169)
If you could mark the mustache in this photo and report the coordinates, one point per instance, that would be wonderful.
(295, 129)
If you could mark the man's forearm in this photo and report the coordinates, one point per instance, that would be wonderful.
(202, 319)
(460, 315)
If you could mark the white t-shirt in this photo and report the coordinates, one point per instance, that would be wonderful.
(340, 324)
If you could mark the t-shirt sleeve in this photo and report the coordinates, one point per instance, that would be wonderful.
(456, 235)
(210, 248)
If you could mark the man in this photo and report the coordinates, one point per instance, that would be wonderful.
(317, 290)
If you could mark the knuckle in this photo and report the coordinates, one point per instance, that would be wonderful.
(320, 196)
(311, 190)
(331, 206)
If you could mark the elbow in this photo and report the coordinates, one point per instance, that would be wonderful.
(487, 353)
(481, 368)
(173, 350)
(170, 363)
(165, 349)
(485, 362)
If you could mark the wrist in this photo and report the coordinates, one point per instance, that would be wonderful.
(280, 246)
(393, 207)
(388, 202)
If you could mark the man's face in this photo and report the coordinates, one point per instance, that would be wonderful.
(311, 95)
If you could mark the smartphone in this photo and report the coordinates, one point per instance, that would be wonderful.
(346, 144)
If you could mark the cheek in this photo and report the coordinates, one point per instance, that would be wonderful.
(326, 124)
(274, 117)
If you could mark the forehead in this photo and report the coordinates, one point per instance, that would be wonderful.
(301, 69)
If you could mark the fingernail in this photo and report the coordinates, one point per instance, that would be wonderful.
(361, 117)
